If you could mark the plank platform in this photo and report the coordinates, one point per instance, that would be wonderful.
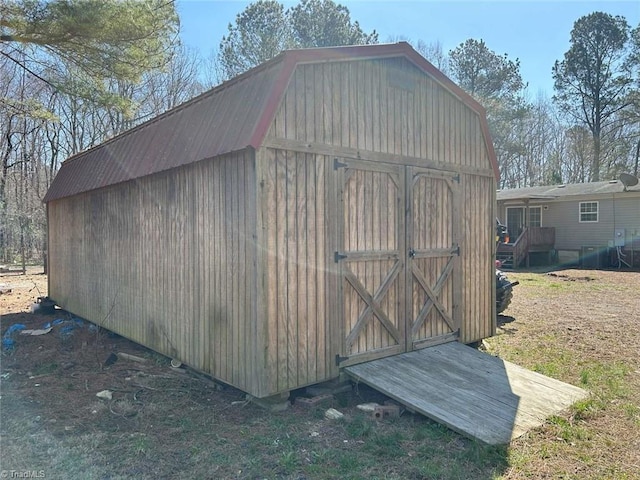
(473, 393)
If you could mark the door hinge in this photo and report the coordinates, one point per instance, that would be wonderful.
(457, 178)
(457, 250)
(339, 256)
(340, 359)
(338, 164)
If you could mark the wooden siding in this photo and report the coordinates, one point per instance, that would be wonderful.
(388, 111)
(295, 302)
(380, 106)
(167, 261)
(477, 252)
(313, 207)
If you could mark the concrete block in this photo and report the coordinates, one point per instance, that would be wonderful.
(386, 411)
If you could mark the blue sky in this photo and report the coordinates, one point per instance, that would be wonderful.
(537, 33)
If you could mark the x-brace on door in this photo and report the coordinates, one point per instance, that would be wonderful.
(397, 258)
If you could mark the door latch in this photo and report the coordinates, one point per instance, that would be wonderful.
(412, 253)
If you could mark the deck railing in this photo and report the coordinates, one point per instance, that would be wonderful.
(521, 247)
(532, 239)
(542, 237)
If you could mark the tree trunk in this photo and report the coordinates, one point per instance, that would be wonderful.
(3, 195)
(635, 170)
(595, 162)
(22, 253)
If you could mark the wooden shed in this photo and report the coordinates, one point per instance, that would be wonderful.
(329, 207)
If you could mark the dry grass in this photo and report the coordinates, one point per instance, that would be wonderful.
(583, 327)
(579, 326)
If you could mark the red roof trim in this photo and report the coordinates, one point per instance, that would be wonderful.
(489, 144)
(280, 86)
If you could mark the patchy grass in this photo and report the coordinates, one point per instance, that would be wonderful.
(578, 326)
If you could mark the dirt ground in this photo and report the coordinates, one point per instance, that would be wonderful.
(165, 422)
(583, 327)
(160, 422)
(596, 311)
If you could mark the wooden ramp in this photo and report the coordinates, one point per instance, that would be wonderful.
(473, 393)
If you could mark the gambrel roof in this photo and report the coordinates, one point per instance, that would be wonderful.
(231, 117)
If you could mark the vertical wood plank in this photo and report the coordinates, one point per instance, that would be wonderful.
(300, 237)
(336, 120)
(385, 113)
(325, 292)
(345, 108)
(291, 269)
(282, 293)
(206, 271)
(242, 279)
(433, 124)
(235, 272)
(254, 370)
(305, 118)
(271, 284)
(310, 302)
(315, 87)
(328, 112)
(421, 113)
(214, 327)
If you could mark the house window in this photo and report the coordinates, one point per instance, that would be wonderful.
(588, 212)
(535, 216)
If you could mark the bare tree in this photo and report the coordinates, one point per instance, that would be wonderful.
(162, 90)
(435, 54)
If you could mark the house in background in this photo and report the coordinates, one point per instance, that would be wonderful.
(594, 225)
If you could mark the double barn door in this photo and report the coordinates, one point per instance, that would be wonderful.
(397, 257)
